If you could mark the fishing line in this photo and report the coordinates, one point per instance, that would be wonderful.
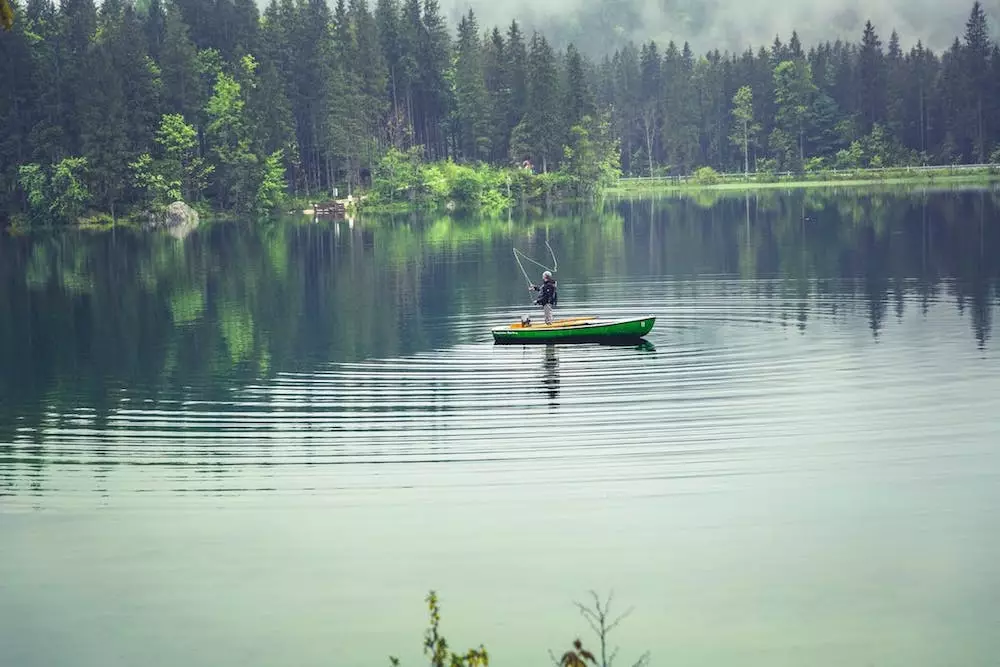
(518, 260)
(518, 255)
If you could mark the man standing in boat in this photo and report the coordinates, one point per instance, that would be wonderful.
(547, 297)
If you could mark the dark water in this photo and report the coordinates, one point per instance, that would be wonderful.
(264, 443)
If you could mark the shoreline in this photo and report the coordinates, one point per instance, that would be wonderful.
(942, 176)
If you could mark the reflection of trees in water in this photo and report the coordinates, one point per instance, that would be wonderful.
(83, 316)
(885, 249)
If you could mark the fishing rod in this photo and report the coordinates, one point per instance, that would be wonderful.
(518, 255)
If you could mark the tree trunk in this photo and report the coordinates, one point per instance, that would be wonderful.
(649, 147)
(923, 122)
(746, 149)
(979, 142)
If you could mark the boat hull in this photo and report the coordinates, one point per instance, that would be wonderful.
(577, 330)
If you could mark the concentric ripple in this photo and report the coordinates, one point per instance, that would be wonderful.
(737, 378)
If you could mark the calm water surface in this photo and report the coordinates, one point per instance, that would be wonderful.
(264, 443)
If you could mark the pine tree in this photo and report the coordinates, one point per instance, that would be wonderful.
(871, 75)
(155, 27)
(75, 60)
(921, 74)
(182, 87)
(795, 94)
(498, 89)
(517, 76)
(348, 117)
(433, 57)
(896, 72)
(138, 73)
(411, 33)
(470, 91)
(371, 76)
(627, 100)
(541, 119)
(578, 100)
(17, 108)
(312, 48)
(388, 19)
(795, 47)
(649, 100)
(103, 139)
(953, 112)
(681, 113)
(977, 69)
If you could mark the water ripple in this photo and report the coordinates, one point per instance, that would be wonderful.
(725, 390)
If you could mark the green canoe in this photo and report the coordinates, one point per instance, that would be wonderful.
(578, 329)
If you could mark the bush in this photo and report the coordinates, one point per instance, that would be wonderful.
(707, 176)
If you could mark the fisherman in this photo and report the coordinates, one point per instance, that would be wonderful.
(547, 296)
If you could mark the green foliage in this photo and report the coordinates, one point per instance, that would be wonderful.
(396, 176)
(590, 164)
(271, 190)
(591, 160)
(706, 176)
(814, 165)
(744, 127)
(240, 171)
(850, 157)
(178, 174)
(58, 194)
(148, 177)
(795, 94)
(198, 97)
(436, 646)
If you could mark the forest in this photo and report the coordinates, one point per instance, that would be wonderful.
(129, 106)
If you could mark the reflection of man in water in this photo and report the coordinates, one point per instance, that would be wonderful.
(551, 378)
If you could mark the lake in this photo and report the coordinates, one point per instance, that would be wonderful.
(264, 443)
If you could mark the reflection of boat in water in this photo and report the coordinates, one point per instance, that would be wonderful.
(576, 330)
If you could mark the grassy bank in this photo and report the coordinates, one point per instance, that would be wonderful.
(711, 180)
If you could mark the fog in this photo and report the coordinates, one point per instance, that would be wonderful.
(600, 25)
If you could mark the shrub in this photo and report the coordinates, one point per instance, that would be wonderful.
(706, 176)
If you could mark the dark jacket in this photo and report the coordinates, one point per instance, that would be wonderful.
(548, 293)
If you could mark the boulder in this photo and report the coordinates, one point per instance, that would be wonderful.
(178, 218)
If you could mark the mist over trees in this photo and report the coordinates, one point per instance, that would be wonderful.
(134, 105)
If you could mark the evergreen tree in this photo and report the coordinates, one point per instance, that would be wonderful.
(470, 91)
(795, 94)
(578, 100)
(75, 62)
(371, 75)
(977, 69)
(896, 74)
(871, 76)
(517, 75)
(18, 109)
(542, 117)
(155, 27)
(388, 19)
(182, 86)
(433, 57)
(312, 98)
(650, 102)
(498, 91)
